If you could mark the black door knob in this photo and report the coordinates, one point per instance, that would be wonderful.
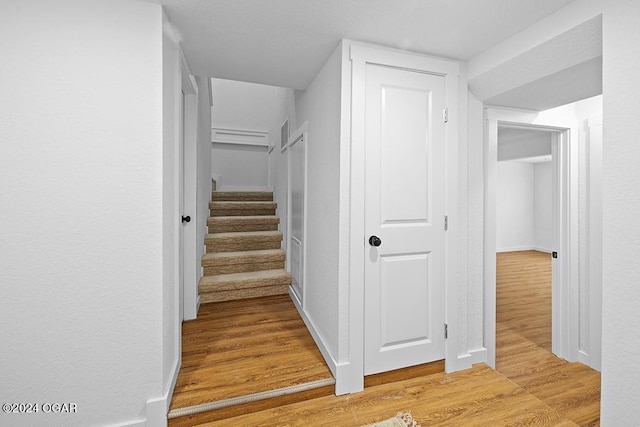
(375, 241)
(186, 218)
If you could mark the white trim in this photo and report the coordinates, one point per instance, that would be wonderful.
(360, 55)
(478, 356)
(239, 137)
(584, 358)
(156, 411)
(191, 266)
(288, 141)
(594, 237)
(157, 408)
(301, 134)
(172, 384)
(324, 349)
(515, 249)
(565, 297)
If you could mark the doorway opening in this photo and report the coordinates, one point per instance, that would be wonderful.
(555, 140)
(527, 213)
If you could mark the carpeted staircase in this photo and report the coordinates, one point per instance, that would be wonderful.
(244, 258)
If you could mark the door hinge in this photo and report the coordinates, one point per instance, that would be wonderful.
(446, 222)
(446, 331)
(445, 115)
(554, 254)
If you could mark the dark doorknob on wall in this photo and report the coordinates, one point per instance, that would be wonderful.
(186, 218)
(375, 241)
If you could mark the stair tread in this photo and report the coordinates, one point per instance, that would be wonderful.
(247, 203)
(244, 218)
(242, 254)
(245, 234)
(246, 276)
(221, 195)
(237, 294)
(242, 192)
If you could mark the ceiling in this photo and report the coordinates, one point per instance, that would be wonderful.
(523, 144)
(286, 42)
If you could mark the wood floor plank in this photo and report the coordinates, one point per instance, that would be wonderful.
(531, 386)
(476, 397)
(523, 342)
(237, 348)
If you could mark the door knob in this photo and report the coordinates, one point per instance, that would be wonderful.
(375, 241)
(186, 218)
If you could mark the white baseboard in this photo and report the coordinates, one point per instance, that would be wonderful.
(347, 380)
(460, 363)
(524, 248)
(466, 361)
(478, 356)
(158, 408)
(326, 354)
(541, 249)
(172, 384)
(157, 411)
(515, 249)
(584, 358)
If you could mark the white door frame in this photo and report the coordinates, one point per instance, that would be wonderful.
(191, 264)
(350, 376)
(300, 136)
(565, 293)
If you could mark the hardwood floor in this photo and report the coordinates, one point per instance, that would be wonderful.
(530, 388)
(243, 347)
(523, 341)
(475, 397)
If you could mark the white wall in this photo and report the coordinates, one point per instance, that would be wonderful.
(621, 229)
(475, 220)
(515, 144)
(621, 204)
(242, 105)
(240, 167)
(283, 107)
(543, 206)
(81, 218)
(514, 206)
(172, 84)
(320, 106)
(248, 107)
(204, 167)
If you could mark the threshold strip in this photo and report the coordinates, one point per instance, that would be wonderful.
(224, 403)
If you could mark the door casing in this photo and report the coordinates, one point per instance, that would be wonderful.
(191, 268)
(565, 284)
(350, 375)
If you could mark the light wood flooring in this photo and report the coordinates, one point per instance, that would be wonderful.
(523, 340)
(242, 347)
(531, 387)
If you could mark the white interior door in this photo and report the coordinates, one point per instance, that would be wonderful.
(181, 205)
(404, 191)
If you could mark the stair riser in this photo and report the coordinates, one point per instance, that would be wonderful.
(221, 227)
(233, 285)
(230, 196)
(243, 294)
(242, 246)
(242, 268)
(241, 212)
